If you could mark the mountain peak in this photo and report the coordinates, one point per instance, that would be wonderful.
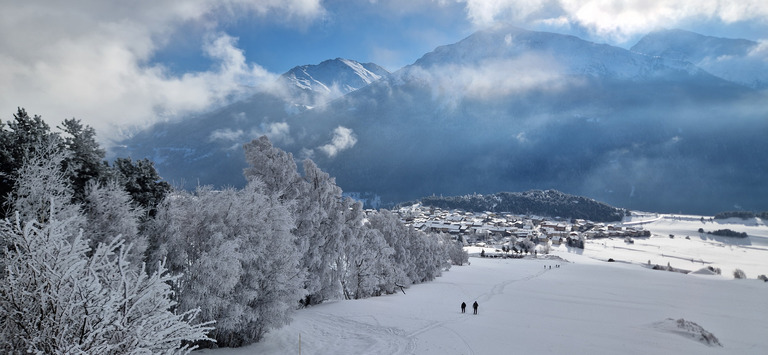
(334, 77)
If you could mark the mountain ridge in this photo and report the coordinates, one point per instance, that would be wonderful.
(738, 60)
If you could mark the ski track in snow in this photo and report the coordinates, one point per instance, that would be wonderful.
(368, 333)
(377, 339)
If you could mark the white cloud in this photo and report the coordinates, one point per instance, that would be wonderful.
(89, 59)
(277, 132)
(343, 139)
(615, 19)
(493, 78)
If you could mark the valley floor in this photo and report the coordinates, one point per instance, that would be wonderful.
(584, 306)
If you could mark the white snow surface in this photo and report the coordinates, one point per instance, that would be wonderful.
(584, 306)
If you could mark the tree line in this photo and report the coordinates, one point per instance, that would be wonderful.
(99, 257)
(550, 203)
(741, 214)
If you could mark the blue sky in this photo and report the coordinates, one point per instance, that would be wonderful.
(121, 65)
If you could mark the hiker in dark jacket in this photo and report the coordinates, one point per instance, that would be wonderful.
(463, 307)
(475, 307)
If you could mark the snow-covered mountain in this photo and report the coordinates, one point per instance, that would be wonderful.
(505, 110)
(340, 76)
(569, 54)
(738, 60)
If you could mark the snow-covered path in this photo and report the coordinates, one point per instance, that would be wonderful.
(583, 307)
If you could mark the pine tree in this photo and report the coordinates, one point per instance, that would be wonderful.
(85, 162)
(142, 182)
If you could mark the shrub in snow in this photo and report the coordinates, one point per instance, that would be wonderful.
(55, 299)
(763, 277)
(739, 274)
(688, 329)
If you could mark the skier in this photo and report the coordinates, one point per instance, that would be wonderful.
(463, 307)
(475, 307)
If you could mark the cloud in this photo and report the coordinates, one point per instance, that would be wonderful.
(277, 132)
(91, 59)
(343, 139)
(615, 19)
(491, 79)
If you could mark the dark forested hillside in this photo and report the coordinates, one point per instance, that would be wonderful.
(551, 203)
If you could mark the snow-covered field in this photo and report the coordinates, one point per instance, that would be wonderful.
(585, 306)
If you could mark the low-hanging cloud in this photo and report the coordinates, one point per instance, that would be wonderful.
(277, 132)
(343, 139)
(91, 59)
(615, 19)
(493, 78)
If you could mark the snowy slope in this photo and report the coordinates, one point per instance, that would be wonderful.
(738, 60)
(585, 306)
(334, 77)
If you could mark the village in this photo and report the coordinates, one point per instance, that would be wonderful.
(510, 233)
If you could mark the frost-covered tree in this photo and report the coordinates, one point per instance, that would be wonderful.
(56, 299)
(274, 167)
(418, 257)
(316, 204)
(39, 181)
(394, 233)
(237, 257)
(456, 252)
(110, 213)
(342, 256)
(319, 229)
(20, 139)
(367, 259)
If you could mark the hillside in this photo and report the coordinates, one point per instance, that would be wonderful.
(549, 203)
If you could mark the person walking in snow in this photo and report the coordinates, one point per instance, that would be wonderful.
(475, 307)
(463, 307)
